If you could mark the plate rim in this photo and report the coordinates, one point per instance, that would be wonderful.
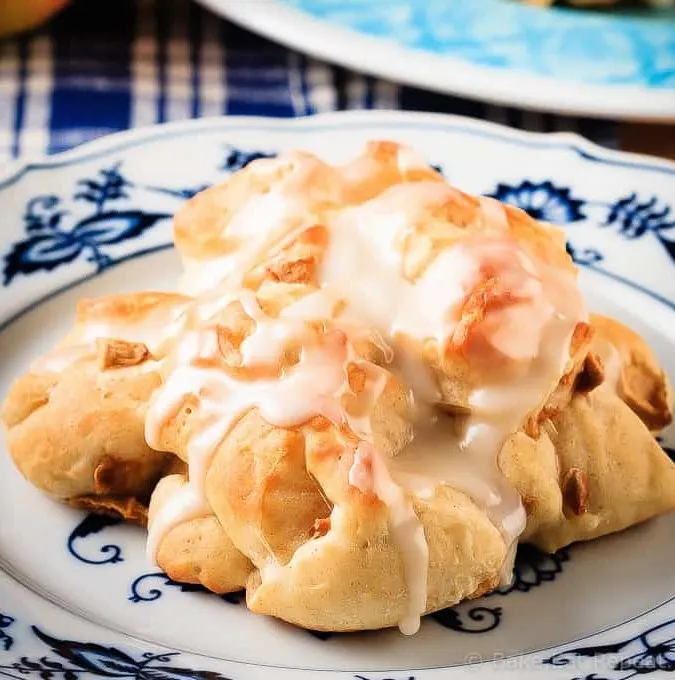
(531, 654)
(13, 170)
(385, 58)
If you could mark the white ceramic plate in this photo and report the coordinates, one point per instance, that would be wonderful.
(617, 64)
(77, 598)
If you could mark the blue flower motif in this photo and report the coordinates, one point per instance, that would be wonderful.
(93, 524)
(140, 583)
(52, 247)
(236, 159)
(94, 660)
(634, 218)
(50, 244)
(542, 200)
(6, 640)
(111, 187)
(533, 568)
(653, 651)
(481, 619)
(586, 257)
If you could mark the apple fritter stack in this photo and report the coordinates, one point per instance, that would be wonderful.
(371, 387)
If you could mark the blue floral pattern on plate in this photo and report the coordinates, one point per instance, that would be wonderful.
(532, 569)
(48, 244)
(652, 651)
(6, 640)
(621, 48)
(78, 659)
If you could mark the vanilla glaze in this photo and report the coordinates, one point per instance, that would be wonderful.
(536, 309)
(364, 266)
(290, 193)
(155, 329)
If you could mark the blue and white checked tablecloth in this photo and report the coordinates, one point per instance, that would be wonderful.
(107, 65)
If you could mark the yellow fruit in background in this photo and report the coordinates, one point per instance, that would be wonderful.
(21, 15)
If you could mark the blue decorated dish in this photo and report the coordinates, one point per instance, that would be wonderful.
(78, 598)
(618, 63)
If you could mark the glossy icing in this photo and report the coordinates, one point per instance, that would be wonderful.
(483, 293)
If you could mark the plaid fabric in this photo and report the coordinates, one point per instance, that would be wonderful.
(107, 65)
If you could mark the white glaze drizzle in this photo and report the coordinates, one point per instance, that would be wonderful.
(363, 267)
(370, 474)
(62, 357)
(267, 217)
(314, 386)
(409, 159)
(292, 203)
(154, 329)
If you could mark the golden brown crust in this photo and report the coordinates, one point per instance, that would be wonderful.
(127, 307)
(201, 226)
(26, 395)
(198, 550)
(638, 379)
(612, 472)
(260, 488)
(323, 551)
(84, 434)
(74, 428)
(352, 577)
(128, 509)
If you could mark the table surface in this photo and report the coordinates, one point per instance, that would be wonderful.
(100, 67)
(656, 140)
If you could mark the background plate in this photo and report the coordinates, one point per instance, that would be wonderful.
(618, 64)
